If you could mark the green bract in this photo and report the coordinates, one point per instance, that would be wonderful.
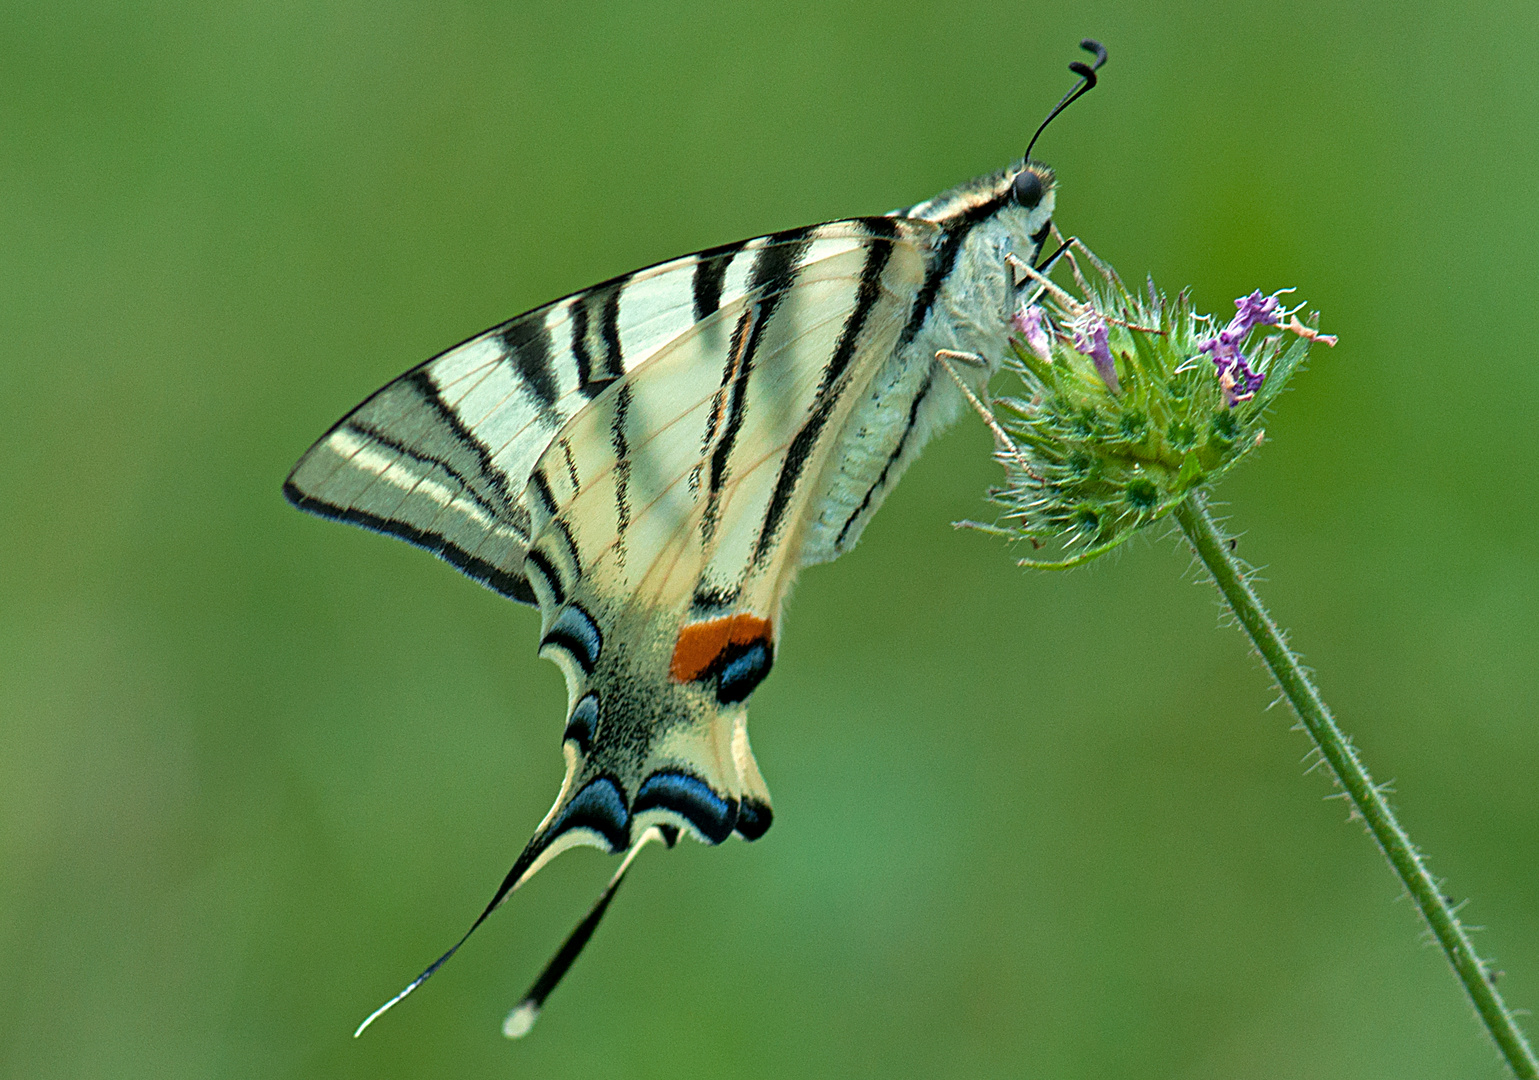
(1091, 464)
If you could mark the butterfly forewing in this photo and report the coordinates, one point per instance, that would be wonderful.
(440, 456)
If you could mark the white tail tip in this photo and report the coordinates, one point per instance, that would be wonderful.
(521, 1020)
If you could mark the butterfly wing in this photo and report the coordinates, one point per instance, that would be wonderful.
(666, 522)
(656, 511)
(639, 459)
(440, 456)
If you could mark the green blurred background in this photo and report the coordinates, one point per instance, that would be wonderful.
(256, 769)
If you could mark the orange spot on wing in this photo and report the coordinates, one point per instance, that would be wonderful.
(701, 643)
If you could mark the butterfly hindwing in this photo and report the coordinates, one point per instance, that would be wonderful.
(665, 522)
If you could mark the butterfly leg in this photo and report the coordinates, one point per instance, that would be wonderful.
(1044, 284)
(944, 357)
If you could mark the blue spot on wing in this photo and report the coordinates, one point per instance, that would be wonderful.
(742, 672)
(599, 806)
(583, 723)
(575, 631)
(691, 798)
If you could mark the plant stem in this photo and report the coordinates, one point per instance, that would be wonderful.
(1213, 549)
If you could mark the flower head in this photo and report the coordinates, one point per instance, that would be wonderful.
(1122, 417)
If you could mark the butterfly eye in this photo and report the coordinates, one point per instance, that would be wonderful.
(1027, 189)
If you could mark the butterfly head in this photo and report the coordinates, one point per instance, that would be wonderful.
(1021, 193)
(1025, 194)
(1026, 206)
(1008, 211)
(1020, 200)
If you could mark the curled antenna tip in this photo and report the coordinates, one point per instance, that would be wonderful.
(521, 1019)
(1090, 45)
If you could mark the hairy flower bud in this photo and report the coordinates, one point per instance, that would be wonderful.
(1139, 402)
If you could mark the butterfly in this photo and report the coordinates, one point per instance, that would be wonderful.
(651, 460)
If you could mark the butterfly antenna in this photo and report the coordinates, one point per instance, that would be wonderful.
(1087, 75)
(522, 1018)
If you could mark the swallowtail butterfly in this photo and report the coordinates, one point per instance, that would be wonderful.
(651, 460)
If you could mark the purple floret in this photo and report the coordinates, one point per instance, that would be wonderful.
(1255, 310)
(1240, 383)
(1029, 322)
(1091, 339)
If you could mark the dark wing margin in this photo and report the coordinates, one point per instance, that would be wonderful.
(403, 463)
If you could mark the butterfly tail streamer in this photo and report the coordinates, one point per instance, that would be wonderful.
(523, 1016)
(536, 853)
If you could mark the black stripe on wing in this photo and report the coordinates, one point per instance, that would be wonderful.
(367, 432)
(527, 342)
(774, 272)
(622, 470)
(539, 485)
(609, 326)
(420, 381)
(589, 384)
(710, 275)
(409, 433)
(829, 391)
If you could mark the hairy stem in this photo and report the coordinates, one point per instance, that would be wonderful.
(1213, 549)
